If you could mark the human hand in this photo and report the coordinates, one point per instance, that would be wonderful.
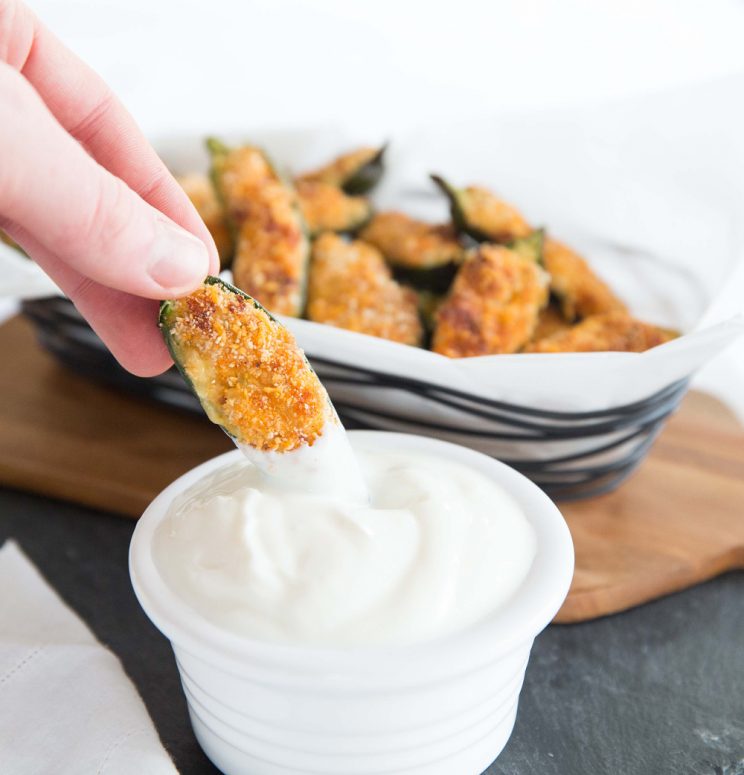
(85, 195)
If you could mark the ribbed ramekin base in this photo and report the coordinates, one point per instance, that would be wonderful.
(473, 760)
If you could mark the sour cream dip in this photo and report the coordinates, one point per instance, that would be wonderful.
(437, 547)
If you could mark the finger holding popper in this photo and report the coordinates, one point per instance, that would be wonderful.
(254, 381)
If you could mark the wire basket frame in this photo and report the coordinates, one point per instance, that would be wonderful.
(570, 455)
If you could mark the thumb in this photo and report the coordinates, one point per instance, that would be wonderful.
(80, 213)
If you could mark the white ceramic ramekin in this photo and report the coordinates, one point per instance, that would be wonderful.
(444, 707)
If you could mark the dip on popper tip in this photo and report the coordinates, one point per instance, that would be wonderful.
(253, 380)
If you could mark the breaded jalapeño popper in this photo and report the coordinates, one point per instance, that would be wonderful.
(580, 291)
(200, 190)
(326, 207)
(271, 248)
(355, 172)
(493, 306)
(352, 287)
(478, 212)
(254, 381)
(608, 332)
(425, 254)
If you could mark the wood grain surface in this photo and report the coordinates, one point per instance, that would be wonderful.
(64, 436)
(677, 521)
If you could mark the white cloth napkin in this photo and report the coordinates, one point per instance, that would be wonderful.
(66, 705)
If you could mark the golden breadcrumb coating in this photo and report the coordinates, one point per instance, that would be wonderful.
(491, 217)
(550, 322)
(412, 244)
(272, 249)
(200, 191)
(493, 305)
(247, 369)
(580, 292)
(351, 287)
(342, 168)
(326, 207)
(615, 331)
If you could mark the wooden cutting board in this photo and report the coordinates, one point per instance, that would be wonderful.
(677, 521)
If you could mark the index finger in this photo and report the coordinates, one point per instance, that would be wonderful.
(87, 108)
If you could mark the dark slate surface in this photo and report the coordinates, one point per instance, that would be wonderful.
(658, 690)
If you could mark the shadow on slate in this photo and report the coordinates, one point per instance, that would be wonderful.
(657, 691)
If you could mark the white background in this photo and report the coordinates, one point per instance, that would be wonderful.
(198, 65)
(382, 66)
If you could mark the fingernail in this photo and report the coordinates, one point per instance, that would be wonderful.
(178, 260)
